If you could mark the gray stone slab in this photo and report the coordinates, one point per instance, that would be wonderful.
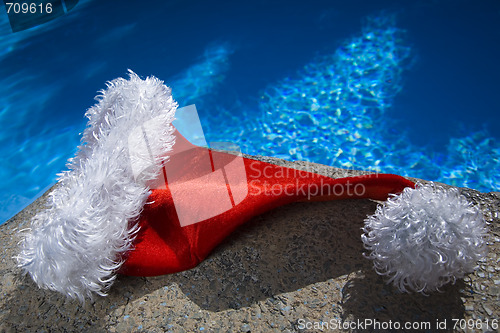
(294, 266)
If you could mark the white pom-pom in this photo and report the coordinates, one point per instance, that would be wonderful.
(424, 238)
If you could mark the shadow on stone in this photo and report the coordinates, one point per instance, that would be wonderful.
(280, 251)
(367, 297)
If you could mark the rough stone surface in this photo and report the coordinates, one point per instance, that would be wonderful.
(296, 264)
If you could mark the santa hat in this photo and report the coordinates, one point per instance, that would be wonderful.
(141, 204)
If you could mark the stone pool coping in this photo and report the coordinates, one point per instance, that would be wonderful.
(297, 264)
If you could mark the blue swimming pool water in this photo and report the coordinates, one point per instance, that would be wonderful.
(402, 88)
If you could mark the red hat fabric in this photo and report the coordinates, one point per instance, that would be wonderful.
(163, 246)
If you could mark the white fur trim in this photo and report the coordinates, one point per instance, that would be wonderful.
(426, 237)
(76, 244)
